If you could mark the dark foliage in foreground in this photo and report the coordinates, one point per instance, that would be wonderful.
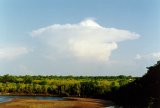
(141, 93)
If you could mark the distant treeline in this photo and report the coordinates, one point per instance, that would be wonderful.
(82, 86)
(141, 93)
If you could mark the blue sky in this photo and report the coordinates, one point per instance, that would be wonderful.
(83, 37)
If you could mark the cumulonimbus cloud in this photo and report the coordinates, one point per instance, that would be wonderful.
(84, 40)
(12, 52)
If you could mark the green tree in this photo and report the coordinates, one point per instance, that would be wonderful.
(28, 79)
(8, 78)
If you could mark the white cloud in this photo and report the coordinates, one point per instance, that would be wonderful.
(12, 52)
(90, 50)
(138, 56)
(84, 40)
(155, 55)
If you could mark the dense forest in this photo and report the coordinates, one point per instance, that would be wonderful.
(81, 86)
(138, 92)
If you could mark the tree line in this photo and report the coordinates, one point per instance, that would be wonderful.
(80, 86)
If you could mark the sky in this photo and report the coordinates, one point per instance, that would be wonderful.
(79, 37)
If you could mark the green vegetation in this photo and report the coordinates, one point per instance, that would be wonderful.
(123, 90)
(82, 86)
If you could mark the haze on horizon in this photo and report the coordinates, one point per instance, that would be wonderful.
(79, 37)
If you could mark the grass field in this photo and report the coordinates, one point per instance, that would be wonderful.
(68, 103)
